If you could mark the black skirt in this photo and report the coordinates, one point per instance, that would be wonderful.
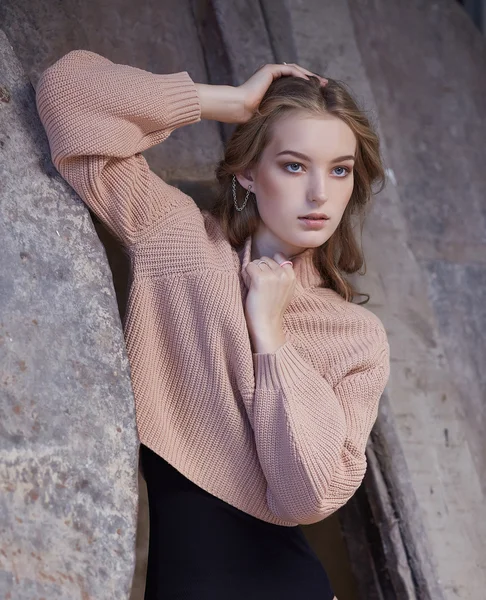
(202, 548)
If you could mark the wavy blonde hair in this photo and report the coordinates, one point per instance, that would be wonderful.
(341, 252)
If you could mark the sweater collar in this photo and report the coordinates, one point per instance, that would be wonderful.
(305, 272)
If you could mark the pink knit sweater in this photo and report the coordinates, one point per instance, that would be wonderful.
(280, 436)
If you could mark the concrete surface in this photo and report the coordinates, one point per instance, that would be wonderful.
(418, 68)
(434, 122)
(436, 433)
(68, 441)
(160, 37)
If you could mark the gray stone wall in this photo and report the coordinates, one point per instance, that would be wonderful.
(68, 442)
(419, 70)
(431, 100)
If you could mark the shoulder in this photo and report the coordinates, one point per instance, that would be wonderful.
(339, 335)
(349, 314)
(211, 223)
(215, 232)
(221, 248)
(360, 313)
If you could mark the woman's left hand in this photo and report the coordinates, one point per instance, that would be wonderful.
(271, 291)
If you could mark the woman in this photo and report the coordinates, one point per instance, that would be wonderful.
(256, 379)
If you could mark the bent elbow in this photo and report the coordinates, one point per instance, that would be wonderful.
(303, 514)
(309, 509)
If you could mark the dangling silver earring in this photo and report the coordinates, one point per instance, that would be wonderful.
(234, 195)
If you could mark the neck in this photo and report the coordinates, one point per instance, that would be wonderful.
(305, 272)
(264, 243)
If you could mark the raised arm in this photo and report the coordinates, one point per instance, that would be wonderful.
(99, 117)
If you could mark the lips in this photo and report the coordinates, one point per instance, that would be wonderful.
(315, 217)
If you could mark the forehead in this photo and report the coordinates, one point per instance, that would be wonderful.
(323, 136)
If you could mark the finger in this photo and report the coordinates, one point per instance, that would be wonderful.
(256, 268)
(274, 265)
(280, 70)
(289, 70)
(304, 70)
(309, 73)
(261, 264)
(258, 272)
(281, 258)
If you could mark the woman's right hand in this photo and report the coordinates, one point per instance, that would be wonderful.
(230, 104)
(253, 90)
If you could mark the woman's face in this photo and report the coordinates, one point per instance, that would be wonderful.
(306, 168)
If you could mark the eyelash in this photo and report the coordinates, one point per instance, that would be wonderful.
(347, 169)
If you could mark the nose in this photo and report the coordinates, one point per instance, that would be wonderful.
(318, 191)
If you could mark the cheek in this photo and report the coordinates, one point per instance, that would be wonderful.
(344, 194)
(271, 184)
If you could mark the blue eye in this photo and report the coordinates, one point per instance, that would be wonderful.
(293, 165)
(345, 169)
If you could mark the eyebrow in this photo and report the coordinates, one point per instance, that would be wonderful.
(305, 157)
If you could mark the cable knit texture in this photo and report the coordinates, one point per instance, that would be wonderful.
(280, 436)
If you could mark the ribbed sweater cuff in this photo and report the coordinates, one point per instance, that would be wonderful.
(181, 101)
(279, 369)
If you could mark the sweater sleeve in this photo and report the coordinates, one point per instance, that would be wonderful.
(99, 117)
(311, 436)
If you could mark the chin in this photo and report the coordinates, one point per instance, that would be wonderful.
(310, 240)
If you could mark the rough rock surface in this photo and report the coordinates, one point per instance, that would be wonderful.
(434, 123)
(68, 442)
(158, 36)
(408, 90)
(424, 241)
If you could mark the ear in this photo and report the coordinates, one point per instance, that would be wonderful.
(245, 179)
